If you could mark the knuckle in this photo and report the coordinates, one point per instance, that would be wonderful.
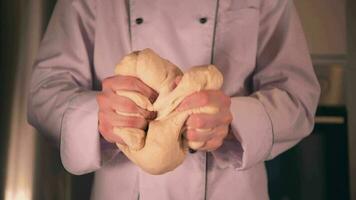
(103, 100)
(115, 106)
(100, 97)
(106, 83)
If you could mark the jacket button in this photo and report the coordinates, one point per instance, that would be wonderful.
(203, 20)
(139, 20)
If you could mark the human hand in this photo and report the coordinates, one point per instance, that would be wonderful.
(109, 102)
(210, 129)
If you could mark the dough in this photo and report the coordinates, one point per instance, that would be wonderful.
(162, 148)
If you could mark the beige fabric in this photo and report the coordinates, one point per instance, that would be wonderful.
(163, 148)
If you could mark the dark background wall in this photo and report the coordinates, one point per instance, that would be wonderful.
(351, 90)
(12, 16)
(51, 181)
(9, 34)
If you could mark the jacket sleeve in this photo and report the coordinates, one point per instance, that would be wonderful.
(280, 111)
(62, 102)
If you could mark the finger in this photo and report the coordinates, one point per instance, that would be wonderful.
(204, 98)
(195, 145)
(118, 120)
(129, 83)
(103, 100)
(108, 100)
(199, 135)
(126, 105)
(217, 140)
(107, 132)
(212, 145)
(204, 121)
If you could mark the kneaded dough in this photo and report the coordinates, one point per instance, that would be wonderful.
(162, 148)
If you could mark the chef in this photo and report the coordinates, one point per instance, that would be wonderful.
(267, 102)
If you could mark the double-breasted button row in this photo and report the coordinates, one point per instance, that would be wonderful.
(202, 20)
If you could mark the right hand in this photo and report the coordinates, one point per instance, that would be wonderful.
(109, 102)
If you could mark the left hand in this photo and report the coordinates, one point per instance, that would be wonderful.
(218, 123)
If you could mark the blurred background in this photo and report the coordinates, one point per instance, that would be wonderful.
(323, 166)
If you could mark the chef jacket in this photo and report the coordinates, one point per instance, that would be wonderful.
(259, 47)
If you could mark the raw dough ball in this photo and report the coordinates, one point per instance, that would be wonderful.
(162, 148)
